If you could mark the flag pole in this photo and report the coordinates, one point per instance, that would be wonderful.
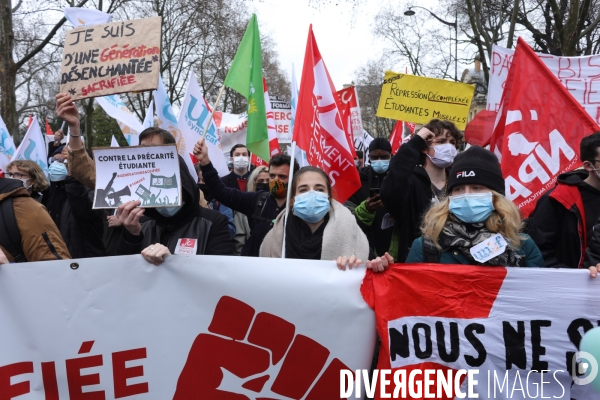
(289, 193)
(212, 112)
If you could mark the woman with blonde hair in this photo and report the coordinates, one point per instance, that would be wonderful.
(258, 179)
(476, 224)
(31, 175)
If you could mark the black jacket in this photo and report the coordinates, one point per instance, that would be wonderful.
(556, 226)
(209, 227)
(244, 202)
(593, 249)
(231, 180)
(406, 193)
(379, 239)
(70, 206)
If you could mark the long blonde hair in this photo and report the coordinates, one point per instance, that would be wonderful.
(251, 184)
(505, 220)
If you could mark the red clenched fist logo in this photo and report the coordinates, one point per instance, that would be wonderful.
(270, 341)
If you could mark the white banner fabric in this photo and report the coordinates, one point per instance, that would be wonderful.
(118, 326)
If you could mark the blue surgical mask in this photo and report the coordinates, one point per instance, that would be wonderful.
(57, 171)
(380, 166)
(169, 211)
(472, 207)
(311, 206)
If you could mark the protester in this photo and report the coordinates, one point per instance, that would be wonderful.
(213, 204)
(70, 205)
(258, 179)
(563, 219)
(260, 207)
(592, 260)
(416, 178)
(238, 178)
(31, 175)
(370, 213)
(318, 227)
(33, 236)
(168, 227)
(58, 137)
(475, 211)
(359, 160)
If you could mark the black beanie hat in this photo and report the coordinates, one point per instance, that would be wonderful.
(476, 166)
(380, 144)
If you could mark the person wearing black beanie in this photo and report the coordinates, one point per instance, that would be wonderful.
(476, 224)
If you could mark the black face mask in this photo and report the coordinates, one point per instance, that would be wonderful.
(262, 186)
(205, 191)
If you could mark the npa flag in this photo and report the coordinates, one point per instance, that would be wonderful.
(273, 141)
(245, 77)
(397, 136)
(193, 117)
(538, 129)
(168, 122)
(33, 146)
(492, 329)
(319, 129)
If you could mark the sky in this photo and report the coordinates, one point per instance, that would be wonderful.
(343, 32)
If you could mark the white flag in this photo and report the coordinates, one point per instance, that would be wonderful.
(192, 120)
(168, 122)
(7, 146)
(33, 147)
(128, 122)
(149, 119)
(79, 17)
(113, 142)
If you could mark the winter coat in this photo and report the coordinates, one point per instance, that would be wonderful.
(558, 224)
(593, 249)
(208, 227)
(406, 193)
(40, 238)
(70, 206)
(342, 236)
(528, 249)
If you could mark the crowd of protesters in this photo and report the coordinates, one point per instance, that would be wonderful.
(428, 203)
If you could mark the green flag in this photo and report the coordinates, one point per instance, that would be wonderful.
(164, 182)
(245, 77)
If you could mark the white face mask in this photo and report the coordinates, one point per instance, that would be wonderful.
(241, 162)
(443, 155)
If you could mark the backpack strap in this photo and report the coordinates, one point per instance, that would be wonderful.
(258, 210)
(431, 254)
(10, 237)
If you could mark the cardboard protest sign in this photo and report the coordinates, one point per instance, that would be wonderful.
(417, 99)
(111, 58)
(149, 174)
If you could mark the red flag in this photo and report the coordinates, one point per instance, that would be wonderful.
(538, 131)
(479, 131)
(30, 121)
(319, 130)
(257, 161)
(350, 111)
(48, 129)
(272, 130)
(396, 136)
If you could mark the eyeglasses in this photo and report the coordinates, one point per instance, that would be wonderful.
(16, 175)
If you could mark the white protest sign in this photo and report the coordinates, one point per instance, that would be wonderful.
(119, 327)
(146, 173)
(580, 75)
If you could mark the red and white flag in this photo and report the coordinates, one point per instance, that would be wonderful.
(351, 117)
(495, 324)
(48, 129)
(318, 128)
(257, 161)
(538, 129)
(271, 128)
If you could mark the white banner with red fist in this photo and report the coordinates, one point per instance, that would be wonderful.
(193, 328)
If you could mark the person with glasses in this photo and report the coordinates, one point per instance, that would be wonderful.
(562, 224)
(31, 175)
